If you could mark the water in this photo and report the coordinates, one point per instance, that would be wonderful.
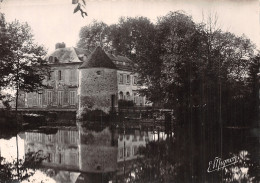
(100, 153)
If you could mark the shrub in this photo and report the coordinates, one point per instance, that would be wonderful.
(125, 103)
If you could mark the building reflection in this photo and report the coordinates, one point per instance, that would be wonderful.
(80, 154)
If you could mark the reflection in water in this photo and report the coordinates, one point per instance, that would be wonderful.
(84, 154)
(77, 154)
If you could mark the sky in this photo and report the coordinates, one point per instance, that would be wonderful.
(53, 21)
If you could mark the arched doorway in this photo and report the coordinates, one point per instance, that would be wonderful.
(127, 96)
(121, 95)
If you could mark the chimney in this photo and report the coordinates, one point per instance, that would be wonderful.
(60, 45)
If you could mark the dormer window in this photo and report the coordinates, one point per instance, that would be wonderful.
(56, 59)
(51, 59)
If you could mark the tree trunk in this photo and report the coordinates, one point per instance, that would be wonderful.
(16, 102)
(16, 117)
(17, 158)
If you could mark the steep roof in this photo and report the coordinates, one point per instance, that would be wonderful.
(75, 55)
(121, 62)
(67, 55)
(80, 51)
(98, 58)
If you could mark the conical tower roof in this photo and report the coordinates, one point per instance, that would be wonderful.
(98, 58)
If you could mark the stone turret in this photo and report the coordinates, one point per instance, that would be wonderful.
(97, 82)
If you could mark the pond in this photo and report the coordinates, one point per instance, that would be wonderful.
(113, 153)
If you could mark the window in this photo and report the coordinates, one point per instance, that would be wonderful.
(60, 158)
(39, 99)
(124, 81)
(60, 97)
(127, 137)
(121, 153)
(141, 101)
(141, 138)
(59, 75)
(135, 98)
(35, 99)
(120, 137)
(134, 138)
(73, 136)
(73, 77)
(56, 59)
(135, 80)
(49, 157)
(60, 137)
(128, 152)
(121, 95)
(49, 76)
(74, 159)
(135, 150)
(38, 137)
(49, 138)
(50, 58)
(49, 97)
(128, 79)
(127, 96)
(121, 78)
(72, 97)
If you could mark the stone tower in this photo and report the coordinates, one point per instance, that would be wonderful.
(97, 82)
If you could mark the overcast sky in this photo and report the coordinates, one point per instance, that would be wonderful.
(53, 21)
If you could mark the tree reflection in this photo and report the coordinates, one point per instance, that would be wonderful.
(27, 167)
(161, 163)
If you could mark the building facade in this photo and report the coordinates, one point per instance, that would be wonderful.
(78, 149)
(76, 73)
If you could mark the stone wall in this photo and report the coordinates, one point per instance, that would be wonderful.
(96, 87)
(96, 155)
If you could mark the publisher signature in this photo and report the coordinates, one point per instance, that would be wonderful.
(219, 164)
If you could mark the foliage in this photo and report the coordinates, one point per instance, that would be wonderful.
(132, 37)
(28, 66)
(94, 35)
(125, 103)
(5, 54)
(22, 67)
(27, 167)
(206, 75)
(80, 6)
(164, 162)
(6, 100)
(253, 87)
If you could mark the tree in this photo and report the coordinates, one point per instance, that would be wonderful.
(203, 74)
(253, 85)
(136, 38)
(27, 167)
(94, 35)
(5, 54)
(24, 69)
(197, 70)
